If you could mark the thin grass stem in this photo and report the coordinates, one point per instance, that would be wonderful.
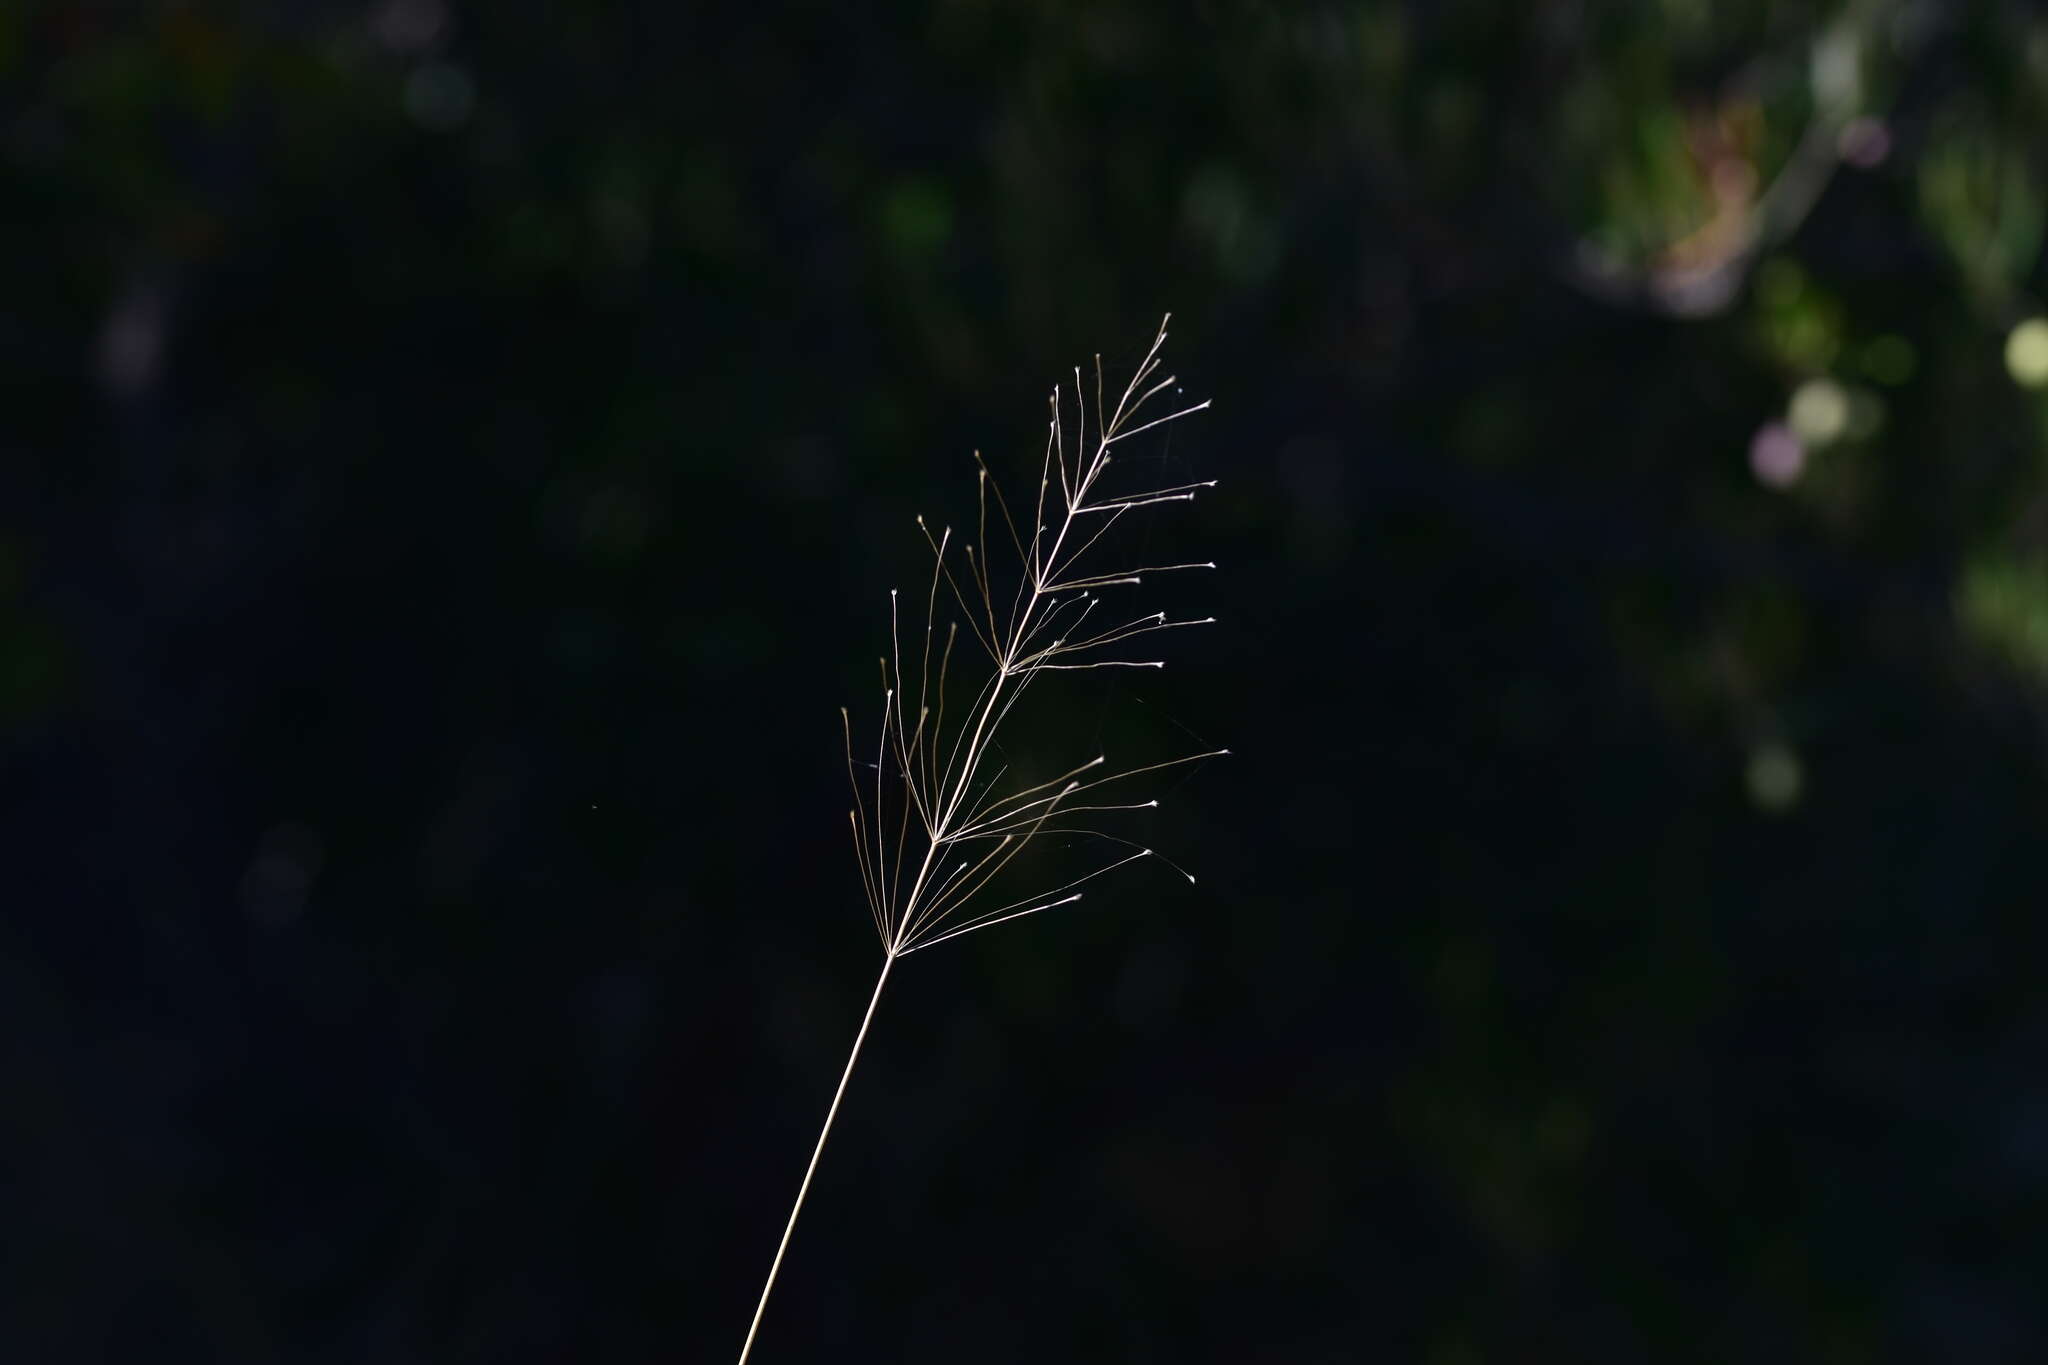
(783, 1247)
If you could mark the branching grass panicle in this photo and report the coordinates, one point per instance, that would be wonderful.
(938, 817)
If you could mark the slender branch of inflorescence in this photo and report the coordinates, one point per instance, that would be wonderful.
(937, 825)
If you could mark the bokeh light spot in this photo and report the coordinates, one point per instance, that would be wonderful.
(1819, 412)
(2026, 353)
(1776, 455)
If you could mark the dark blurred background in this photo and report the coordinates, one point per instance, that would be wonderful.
(453, 460)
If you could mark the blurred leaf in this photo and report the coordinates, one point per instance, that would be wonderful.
(1983, 199)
